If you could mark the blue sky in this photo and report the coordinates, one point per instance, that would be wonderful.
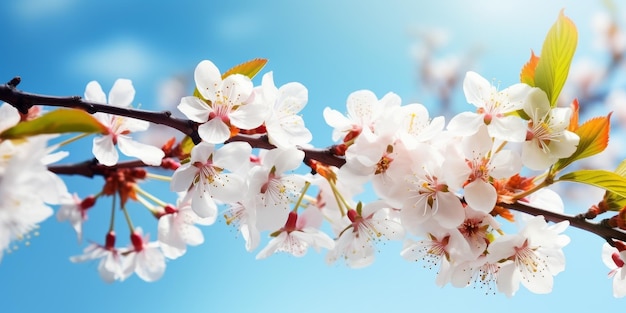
(333, 48)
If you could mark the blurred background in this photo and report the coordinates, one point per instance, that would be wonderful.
(419, 50)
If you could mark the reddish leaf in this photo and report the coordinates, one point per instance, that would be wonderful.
(573, 120)
(527, 75)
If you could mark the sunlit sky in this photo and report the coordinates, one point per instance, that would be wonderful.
(333, 48)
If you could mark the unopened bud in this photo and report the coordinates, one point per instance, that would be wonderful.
(139, 173)
(170, 164)
(88, 203)
(137, 241)
(109, 242)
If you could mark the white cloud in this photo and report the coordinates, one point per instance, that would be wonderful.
(122, 57)
(237, 27)
(37, 9)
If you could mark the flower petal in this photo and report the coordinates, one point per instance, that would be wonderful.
(146, 153)
(534, 157)
(481, 196)
(94, 92)
(537, 105)
(477, 89)
(195, 109)
(202, 203)
(292, 97)
(227, 188)
(104, 150)
(450, 212)
(248, 116)
(508, 128)
(183, 177)
(9, 116)
(363, 107)
(208, 79)
(515, 96)
(214, 131)
(132, 125)
(150, 264)
(202, 152)
(508, 279)
(232, 156)
(122, 93)
(504, 164)
(465, 123)
(272, 246)
(236, 89)
(287, 159)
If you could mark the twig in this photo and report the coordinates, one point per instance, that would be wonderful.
(23, 101)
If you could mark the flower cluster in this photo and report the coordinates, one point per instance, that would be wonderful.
(441, 189)
(436, 188)
(211, 174)
(444, 185)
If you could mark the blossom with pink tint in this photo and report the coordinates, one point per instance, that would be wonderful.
(119, 127)
(473, 165)
(177, 229)
(285, 128)
(364, 111)
(366, 226)
(273, 188)
(494, 109)
(533, 256)
(429, 198)
(209, 176)
(547, 137)
(300, 232)
(614, 259)
(225, 103)
(113, 263)
(74, 210)
(145, 258)
(242, 215)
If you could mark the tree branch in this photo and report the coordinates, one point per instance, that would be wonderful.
(23, 101)
(606, 232)
(324, 155)
(91, 168)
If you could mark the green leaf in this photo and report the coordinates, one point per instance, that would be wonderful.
(614, 201)
(556, 56)
(186, 145)
(249, 68)
(604, 179)
(56, 122)
(594, 138)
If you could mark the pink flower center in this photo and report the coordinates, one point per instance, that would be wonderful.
(480, 169)
(220, 111)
